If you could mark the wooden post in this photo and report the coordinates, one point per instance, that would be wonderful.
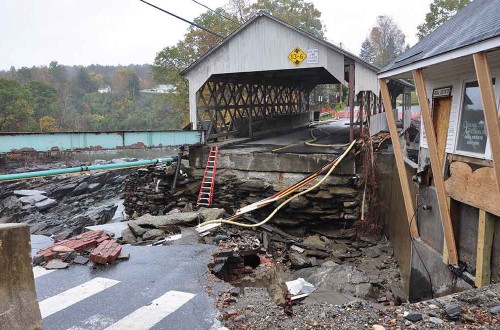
(361, 105)
(403, 177)
(484, 244)
(351, 99)
(437, 168)
(490, 109)
(454, 209)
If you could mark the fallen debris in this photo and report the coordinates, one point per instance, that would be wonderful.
(299, 288)
(97, 246)
(56, 264)
(107, 252)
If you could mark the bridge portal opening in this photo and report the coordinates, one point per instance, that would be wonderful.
(251, 103)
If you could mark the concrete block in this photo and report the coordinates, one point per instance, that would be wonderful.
(428, 272)
(18, 302)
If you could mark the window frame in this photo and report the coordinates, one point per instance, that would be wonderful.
(487, 150)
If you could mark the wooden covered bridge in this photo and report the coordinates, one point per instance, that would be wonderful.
(258, 80)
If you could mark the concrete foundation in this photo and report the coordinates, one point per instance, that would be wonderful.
(429, 276)
(393, 212)
(258, 161)
(18, 303)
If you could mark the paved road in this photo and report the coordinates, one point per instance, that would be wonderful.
(158, 288)
(334, 132)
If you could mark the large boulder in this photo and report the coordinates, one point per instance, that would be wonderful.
(299, 203)
(128, 237)
(181, 218)
(211, 214)
(9, 206)
(136, 229)
(63, 191)
(298, 261)
(28, 192)
(32, 199)
(254, 186)
(80, 189)
(152, 234)
(45, 204)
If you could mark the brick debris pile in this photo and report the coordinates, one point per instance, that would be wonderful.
(95, 246)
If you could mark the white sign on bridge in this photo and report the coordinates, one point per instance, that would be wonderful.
(312, 56)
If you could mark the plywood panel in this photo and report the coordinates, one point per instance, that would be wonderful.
(476, 188)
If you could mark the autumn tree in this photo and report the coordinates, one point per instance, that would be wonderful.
(16, 106)
(45, 99)
(440, 11)
(48, 124)
(299, 13)
(367, 52)
(387, 41)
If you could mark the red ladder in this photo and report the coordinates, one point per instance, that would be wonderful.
(207, 185)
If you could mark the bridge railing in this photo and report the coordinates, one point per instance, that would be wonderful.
(65, 141)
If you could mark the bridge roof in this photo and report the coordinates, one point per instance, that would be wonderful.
(258, 51)
(296, 29)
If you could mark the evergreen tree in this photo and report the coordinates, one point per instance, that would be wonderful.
(367, 53)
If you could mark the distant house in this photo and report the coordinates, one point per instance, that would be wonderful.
(104, 90)
(160, 89)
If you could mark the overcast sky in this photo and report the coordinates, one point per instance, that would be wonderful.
(72, 32)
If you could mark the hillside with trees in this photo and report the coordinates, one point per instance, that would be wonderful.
(76, 98)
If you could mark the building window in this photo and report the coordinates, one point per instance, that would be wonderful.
(472, 134)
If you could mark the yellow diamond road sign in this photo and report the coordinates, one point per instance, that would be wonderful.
(297, 56)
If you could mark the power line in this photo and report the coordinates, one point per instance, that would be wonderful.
(182, 19)
(215, 12)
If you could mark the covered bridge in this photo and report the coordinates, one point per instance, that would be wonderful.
(258, 80)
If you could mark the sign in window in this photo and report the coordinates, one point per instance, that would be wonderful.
(472, 131)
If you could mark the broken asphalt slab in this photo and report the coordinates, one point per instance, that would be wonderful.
(149, 274)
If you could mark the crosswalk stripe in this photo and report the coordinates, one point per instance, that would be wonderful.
(40, 271)
(70, 297)
(146, 317)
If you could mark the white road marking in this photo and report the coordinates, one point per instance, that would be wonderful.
(70, 297)
(40, 271)
(148, 316)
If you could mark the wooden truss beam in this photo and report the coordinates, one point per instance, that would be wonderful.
(437, 168)
(490, 109)
(403, 177)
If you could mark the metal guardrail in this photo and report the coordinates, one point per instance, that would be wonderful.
(65, 141)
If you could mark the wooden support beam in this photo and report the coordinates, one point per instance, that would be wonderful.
(351, 99)
(490, 109)
(361, 105)
(484, 244)
(403, 177)
(437, 168)
(454, 209)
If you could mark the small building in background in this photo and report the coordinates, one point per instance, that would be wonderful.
(104, 90)
(160, 89)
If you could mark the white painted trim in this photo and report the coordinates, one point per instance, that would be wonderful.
(461, 52)
(40, 271)
(74, 295)
(148, 316)
(487, 150)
